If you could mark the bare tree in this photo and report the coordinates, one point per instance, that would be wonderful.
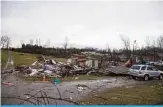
(36, 41)
(5, 42)
(39, 42)
(31, 42)
(126, 43)
(153, 47)
(160, 42)
(147, 41)
(109, 52)
(22, 42)
(135, 46)
(154, 43)
(48, 43)
(8, 42)
(65, 44)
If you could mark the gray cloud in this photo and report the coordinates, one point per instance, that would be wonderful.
(93, 23)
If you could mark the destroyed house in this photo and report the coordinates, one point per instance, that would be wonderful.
(92, 63)
(151, 57)
(83, 61)
(77, 60)
(123, 57)
(78, 56)
(160, 55)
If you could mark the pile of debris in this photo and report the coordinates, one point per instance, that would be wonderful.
(118, 70)
(78, 64)
(115, 70)
(51, 68)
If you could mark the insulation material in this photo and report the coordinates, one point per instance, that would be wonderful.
(34, 72)
(48, 71)
(53, 61)
(49, 67)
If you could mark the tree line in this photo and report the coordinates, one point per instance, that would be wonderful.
(127, 49)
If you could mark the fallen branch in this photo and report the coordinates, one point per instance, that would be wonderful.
(20, 99)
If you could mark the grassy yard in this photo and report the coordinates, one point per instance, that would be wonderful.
(24, 58)
(84, 77)
(69, 78)
(147, 93)
(19, 58)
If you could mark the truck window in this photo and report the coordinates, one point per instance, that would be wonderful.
(143, 67)
(155, 69)
(135, 67)
(150, 68)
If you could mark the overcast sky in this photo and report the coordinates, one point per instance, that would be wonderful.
(95, 24)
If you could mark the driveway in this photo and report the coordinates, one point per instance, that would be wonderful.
(60, 94)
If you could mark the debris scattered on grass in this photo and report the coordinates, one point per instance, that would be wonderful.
(80, 88)
(7, 83)
(76, 78)
(128, 86)
(27, 97)
(82, 85)
(114, 98)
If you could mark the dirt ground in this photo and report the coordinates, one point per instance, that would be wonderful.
(64, 93)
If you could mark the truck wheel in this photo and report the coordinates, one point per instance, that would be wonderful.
(146, 77)
(133, 77)
(160, 77)
(136, 78)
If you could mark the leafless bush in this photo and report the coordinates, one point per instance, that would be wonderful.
(5, 41)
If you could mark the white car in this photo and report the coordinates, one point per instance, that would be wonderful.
(160, 63)
(145, 71)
